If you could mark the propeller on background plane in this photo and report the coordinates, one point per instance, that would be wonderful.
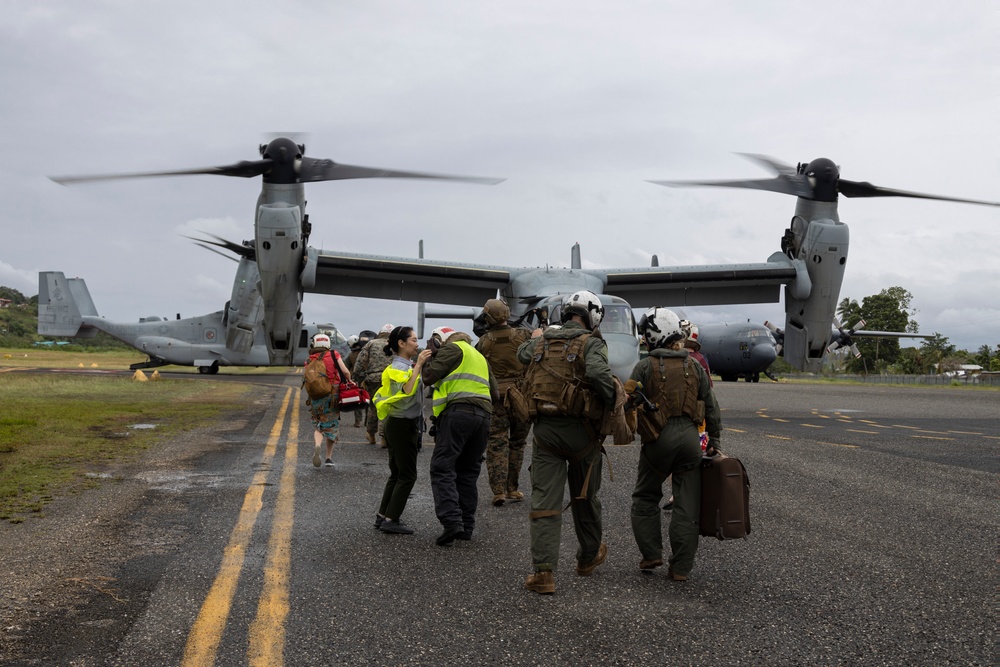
(779, 336)
(844, 337)
(818, 180)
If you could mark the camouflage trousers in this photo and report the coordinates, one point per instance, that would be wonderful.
(372, 423)
(505, 451)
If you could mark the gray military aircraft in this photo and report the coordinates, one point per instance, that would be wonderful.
(810, 264)
(65, 308)
(747, 349)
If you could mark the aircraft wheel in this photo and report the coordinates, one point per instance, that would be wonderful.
(213, 369)
(755, 377)
(204, 370)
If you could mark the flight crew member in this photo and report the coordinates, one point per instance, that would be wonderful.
(463, 402)
(356, 343)
(498, 342)
(670, 445)
(368, 369)
(323, 412)
(399, 402)
(567, 387)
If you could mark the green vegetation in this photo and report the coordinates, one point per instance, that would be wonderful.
(55, 429)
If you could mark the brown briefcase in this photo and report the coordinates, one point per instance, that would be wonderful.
(725, 499)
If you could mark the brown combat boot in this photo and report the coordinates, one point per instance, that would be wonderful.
(371, 438)
(588, 569)
(543, 582)
(498, 499)
(650, 563)
(515, 496)
(676, 577)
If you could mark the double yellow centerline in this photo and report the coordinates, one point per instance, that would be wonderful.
(267, 632)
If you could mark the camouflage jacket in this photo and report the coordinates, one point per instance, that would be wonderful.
(371, 361)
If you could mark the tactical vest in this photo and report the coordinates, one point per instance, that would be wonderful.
(500, 349)
(471, 379)
(673, 386)
(556, 383)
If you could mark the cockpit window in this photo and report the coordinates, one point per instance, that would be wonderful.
(618, 319)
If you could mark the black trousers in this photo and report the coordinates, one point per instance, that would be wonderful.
(459, 446)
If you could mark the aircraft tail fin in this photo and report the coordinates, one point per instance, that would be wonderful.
(62, 304)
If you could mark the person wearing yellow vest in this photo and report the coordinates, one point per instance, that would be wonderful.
(399, 403)
(462, 406)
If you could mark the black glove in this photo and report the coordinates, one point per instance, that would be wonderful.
(713, 447)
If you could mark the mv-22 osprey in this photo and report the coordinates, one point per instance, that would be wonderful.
(810, 263)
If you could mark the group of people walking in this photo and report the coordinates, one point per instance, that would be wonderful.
(557, 380)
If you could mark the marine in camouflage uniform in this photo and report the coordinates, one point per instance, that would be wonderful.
(368, 367)
(498, 342)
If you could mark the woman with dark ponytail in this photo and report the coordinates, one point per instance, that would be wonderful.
(399, 401)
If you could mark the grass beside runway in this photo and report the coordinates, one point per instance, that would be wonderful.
(72, 357)
(58, 433)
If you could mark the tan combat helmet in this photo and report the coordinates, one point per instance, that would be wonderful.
(495, 312)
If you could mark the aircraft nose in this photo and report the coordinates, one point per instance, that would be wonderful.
(764, 354)
(623, 354)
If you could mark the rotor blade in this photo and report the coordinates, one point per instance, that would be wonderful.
(865, 189)
(244, 169)
(217, 252)
(833, 346)
(311, 169)
(855, 350)
(784, 184)
(856, 325)
(235, 248)
(770, 163)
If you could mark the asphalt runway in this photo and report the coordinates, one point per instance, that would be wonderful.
(874, 517)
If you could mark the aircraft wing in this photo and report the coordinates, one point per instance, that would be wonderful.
(705, 285)
(407, 279)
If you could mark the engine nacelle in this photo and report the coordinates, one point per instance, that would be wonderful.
(817, 239)
(279, 262)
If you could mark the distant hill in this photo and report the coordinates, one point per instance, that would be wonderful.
(19, 324)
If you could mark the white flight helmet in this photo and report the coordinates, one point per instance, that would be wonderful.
(321, 340)
(443, 334)
(690, 331)
(585, 304)
(352, 340)
(660, 327)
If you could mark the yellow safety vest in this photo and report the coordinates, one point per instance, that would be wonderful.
(384, 398)
(471, 379)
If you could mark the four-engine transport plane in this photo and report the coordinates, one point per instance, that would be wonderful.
(810, 263)
(65, 308)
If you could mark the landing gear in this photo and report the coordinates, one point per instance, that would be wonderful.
(209, 370)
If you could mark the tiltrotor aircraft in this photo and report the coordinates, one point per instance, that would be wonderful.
(810, 263)
(65, 308)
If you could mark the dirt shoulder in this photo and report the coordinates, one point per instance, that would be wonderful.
(67, 559)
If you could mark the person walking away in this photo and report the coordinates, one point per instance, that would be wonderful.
(680, 388)
(498, 343)
(462, 405)
(567, 386)
(368, 369)
(323, 411)
(399, 402)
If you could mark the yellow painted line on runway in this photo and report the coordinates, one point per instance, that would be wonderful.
(206, 633)
(914, 428)
(846, 421)
(777, 437)
(783, 421)
(854, 430)
(267, 632)
(868, 421)
(812, 425)
(992, 437)
(931, 437)
(839, 444)
(966, 432)
(734, 430)
(934, 432)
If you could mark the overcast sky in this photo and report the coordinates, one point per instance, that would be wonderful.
(576, 103)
